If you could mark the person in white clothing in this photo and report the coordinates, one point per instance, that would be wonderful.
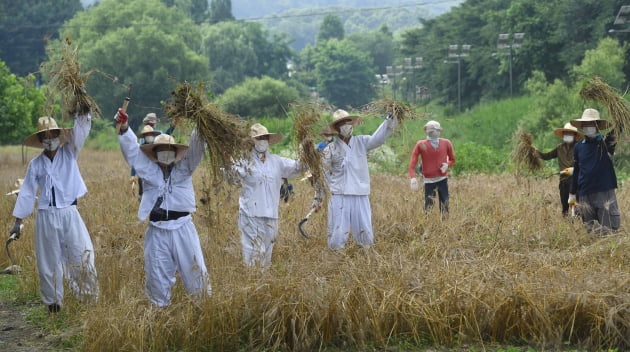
(171, 242)
(348, 179)
(261, 177)
(63, 246)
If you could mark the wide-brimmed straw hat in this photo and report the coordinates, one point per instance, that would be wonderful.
(160, 140)
(258, 130)
(148, 131)
(568, 127)
(44, 124)
(591, 115)
(341, 116)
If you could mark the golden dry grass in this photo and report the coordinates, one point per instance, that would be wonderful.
(505, 267)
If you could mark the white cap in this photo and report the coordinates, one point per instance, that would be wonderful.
(433, 124)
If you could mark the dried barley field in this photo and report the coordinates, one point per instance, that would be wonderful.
(503, 268)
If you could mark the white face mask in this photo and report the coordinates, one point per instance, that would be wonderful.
(590, 131)
(166, 157)
(433, 133)
(567, 139)
(51, 144)
(261, 145)
(346, 130)
(149, 139)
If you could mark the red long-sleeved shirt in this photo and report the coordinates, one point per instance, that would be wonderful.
(432, 158)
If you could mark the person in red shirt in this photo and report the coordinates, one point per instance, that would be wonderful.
(437, 156)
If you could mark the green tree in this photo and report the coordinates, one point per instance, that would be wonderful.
(221, 10)
(379, 44)
(20, 105)
(606, 61)
(197, 10)
(331, 28)
(345, 76)
(237, 50)
(26, 26)
(140, 43)
(258, 97)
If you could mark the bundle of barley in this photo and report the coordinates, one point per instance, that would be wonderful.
(618, 108)
(223, 133)
(525, 155)
(65, 80)
(402, 110)
(308, 124)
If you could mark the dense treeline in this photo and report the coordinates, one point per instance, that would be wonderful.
(143, 48)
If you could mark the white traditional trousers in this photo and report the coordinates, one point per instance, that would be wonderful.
(258, 235)
(172, 247)
(64, 248)
(349, 214)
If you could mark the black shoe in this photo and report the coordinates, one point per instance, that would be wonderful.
(54, 308)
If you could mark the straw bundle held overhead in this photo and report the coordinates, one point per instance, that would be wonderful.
(65, 79)
(402, 110)
(525, 155)
(223, 133)
(308, 124)
(618, 108)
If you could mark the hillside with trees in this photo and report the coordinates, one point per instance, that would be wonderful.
(150, 45)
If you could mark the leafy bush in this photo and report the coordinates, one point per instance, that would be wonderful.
(258, 97)
(20, 105)
(476, 158)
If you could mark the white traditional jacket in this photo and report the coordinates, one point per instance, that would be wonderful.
(346, 166)
(261, 182)
(62, 173)
(177, 189)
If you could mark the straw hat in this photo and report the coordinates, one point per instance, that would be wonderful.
(341, 116)
(46, 124)
(433, 124)
(150, 118)
(164, 139)
(559, 132)
(148, 131)
(258, 130)
(591, 115)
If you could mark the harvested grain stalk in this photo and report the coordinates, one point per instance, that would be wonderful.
(65, 80)
(618, 108)
(308, 124)
(225, 134)
(402, 110)
(524, 154)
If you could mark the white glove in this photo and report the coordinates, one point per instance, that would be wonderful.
(414, 184)
(444, 167)
(572, 199)
(567, 171)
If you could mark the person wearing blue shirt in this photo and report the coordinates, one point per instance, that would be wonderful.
(594, 179)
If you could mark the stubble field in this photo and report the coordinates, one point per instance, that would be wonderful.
(503, 268)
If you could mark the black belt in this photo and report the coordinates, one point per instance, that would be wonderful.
(163, 215)
(53, 202)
